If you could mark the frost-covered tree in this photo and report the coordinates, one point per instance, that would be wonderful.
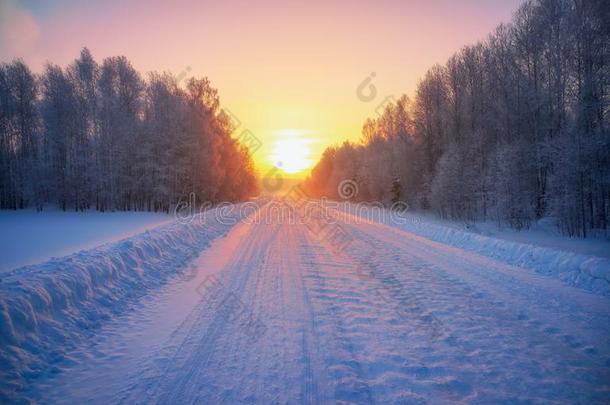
(100, 136)
(513, 128)
(19, 136)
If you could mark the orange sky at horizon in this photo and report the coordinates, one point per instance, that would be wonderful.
(288, 71)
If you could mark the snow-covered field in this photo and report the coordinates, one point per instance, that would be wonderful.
(30, 237)
(279, 311)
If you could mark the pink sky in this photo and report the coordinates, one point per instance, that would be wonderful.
(278, 65)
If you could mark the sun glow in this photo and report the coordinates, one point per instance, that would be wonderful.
(291, 151)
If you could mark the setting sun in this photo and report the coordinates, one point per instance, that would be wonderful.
(291, 151)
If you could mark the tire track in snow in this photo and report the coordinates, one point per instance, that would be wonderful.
(340, 329)
(482, 284)
(195, 359)
(361, 378)
(272, 288)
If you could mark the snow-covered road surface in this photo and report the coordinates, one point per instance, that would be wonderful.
(278, 312)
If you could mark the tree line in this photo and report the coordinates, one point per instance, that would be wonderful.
(512, 129)
(99, 136)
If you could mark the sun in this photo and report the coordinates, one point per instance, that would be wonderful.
(291, 151)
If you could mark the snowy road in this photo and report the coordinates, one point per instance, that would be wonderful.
(275, 312)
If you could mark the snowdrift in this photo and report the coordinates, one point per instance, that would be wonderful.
(590, 273)
(48, 308)
(587, 272)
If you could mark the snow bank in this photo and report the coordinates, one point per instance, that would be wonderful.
(588, 272)
(48, 308)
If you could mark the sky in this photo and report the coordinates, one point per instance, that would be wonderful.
(298, 75)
